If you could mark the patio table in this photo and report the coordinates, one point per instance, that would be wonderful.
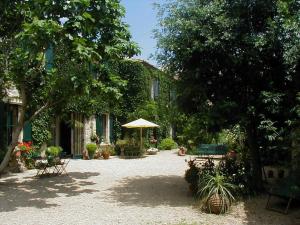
(55, 167)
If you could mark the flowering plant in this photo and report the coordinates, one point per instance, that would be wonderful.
(27, 152)
(24, 147)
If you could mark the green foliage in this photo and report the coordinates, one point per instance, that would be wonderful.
(234, 138)
(121, 143)
(133, 151)
(91, 148)
(235, 171)
(41, 126)
(167, 144)
(30, 156)
(191, 176)
(237, 63)
(79, 34)
(194, 129)
(192, 151)
(112, 150)
(54, 151)
(136, 99)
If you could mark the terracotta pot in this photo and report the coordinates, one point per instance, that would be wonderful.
(105, 155)
(232, 154)
(217, 204)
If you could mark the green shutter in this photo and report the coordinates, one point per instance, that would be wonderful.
(49, 58)
(99, 126)
(27, 132)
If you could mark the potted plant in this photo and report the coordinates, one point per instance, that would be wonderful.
(106, 152)
(53, 153)
(121, 144)
(91, 148)
(216, 193)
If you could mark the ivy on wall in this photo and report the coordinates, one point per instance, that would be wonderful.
(130, 99)
(136, 100)
(41, 128)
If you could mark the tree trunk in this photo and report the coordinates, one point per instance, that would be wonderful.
(16, 132)
(254, 157)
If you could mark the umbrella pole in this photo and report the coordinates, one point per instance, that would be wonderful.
(141, 134)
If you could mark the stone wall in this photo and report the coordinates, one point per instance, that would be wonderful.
(89, 129)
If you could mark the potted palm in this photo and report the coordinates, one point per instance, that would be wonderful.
(216, 193)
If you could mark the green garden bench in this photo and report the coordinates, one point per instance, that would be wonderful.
(287, 188)
(208, 150)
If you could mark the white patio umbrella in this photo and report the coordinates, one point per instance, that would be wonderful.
(140, 123)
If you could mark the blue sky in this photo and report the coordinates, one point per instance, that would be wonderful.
(141, 17)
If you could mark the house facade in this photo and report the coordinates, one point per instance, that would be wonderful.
(72, 135)
(75, 131)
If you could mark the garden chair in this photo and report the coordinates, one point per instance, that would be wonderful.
(41, 166)
(288, 188)
(60, 166)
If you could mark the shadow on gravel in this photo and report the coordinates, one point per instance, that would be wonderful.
(34, 192)
(256, 213)
(151, 191)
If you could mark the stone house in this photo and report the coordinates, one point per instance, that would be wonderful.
(72, 136)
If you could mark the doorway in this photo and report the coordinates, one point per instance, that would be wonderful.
(65, 137)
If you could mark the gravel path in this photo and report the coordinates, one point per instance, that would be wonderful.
(150, 190)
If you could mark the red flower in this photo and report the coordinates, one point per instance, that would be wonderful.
(25, 146)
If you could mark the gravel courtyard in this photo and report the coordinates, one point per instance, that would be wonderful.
(150, 190)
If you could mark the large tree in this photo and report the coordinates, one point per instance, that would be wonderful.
(238, 61)
(48, 48)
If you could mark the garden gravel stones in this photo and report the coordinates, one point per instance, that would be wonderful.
(149, 190)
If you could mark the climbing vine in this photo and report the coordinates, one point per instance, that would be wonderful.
(41, 128)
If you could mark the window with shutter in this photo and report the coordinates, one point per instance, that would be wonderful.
(101, 126)
(27, 132)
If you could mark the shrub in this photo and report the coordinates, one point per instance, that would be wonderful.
(192, 151)
(235, 170)
(167, 144)
(111, 150)
(192, 177)
(133, 150)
